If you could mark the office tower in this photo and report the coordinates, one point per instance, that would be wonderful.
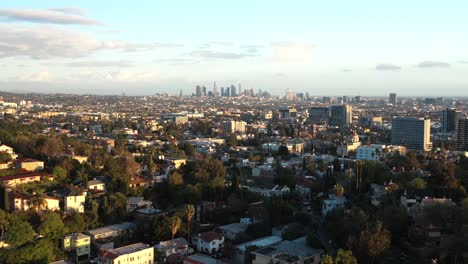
(287, 112)
(357, 99)
(345, 99)
(215, 90)
(234, 126)
(228, 91)
(393, 99)
(180, 93)
(326, 100)
(222, 91)
(412, 133)
(233, 91)
(198, 91)
(204, 91)
(341, 115)
(290, 95)
(462, 135)
(450, 120)
(319, 115)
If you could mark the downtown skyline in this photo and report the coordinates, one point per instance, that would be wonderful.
(328, 48)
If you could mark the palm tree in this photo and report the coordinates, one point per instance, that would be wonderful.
(175, 225)
(38, 202)
(189, 212)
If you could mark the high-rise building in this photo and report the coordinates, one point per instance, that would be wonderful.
(393, 99)
(215, 90)
(204, 91)
(233, 91)
(290, 95)
(319, 114)
(341, 115)
(198, 91)
(287, 112)
(222, 91)
(450, 119)
(412, 133)
(234, 126)
(345, 99)
(227, 91)
(462, 135)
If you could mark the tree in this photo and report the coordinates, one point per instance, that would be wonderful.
(175, 179)
(338, 189)
(283, 151)
(327, 260)
(371, 242)
(38, 202)
(417, 184)
(52, 227)
(189, 212)
(175, 223)
(345, 257)
(19, 233)
(75, 222)
(60, 175)
(4, 223)
(5, 157)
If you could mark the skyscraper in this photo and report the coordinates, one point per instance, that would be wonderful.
(393, 99)
(450, 119)
(412, 133)
(215, 90)
(233, 91)
(204, 91)
(198, 91)
(341, 115)
(462, 135)
(319, 114)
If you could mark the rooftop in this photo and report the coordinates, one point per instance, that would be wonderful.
(113, 253)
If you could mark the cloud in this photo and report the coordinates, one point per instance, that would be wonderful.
(48, 42)
(42, 76)
(251, 48)
(433, 64)
(463, 61)
(91, 64)
(64, 16)
(387, 67)
(346, 70)
(206, 54)
(122, 76)
(291, 51)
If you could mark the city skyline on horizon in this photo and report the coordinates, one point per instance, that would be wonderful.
(326, 49)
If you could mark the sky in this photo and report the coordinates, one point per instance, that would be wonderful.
(323, 47)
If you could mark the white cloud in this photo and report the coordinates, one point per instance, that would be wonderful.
(42, 76)
(207, 54)
(291, 51)
(93, 64)
(387, 67)
(48, 42)
(51, 16)
(433, 64)
(113, 76)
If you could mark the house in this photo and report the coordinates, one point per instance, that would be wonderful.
(232, 231)
(277, 190)
(134, 203)
(74, 200)
(29, 164)
(202, 259)
(241, 250)
(8, 150)
(140, 182)
(177, 163)
(111, 231)
(24, 202)
(96, 185)
(80, 243)
(332, 203)
(208, 242)
(138, 253)
(12, 181)
(177, 246)
(295, 251)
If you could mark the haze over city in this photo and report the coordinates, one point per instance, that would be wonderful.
(367, 48)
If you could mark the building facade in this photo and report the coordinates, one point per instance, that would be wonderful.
(462, 135)
(412, 133)
(341, 115)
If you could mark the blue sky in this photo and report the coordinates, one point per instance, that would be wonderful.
(322, 47)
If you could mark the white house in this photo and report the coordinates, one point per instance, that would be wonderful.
(25, 202)
(208, 242)
(96, 185)
(332, 203)
(9, 150)
(138, 253)
(134, 203)
(75, 200)
(376, 151)
(177, 246)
